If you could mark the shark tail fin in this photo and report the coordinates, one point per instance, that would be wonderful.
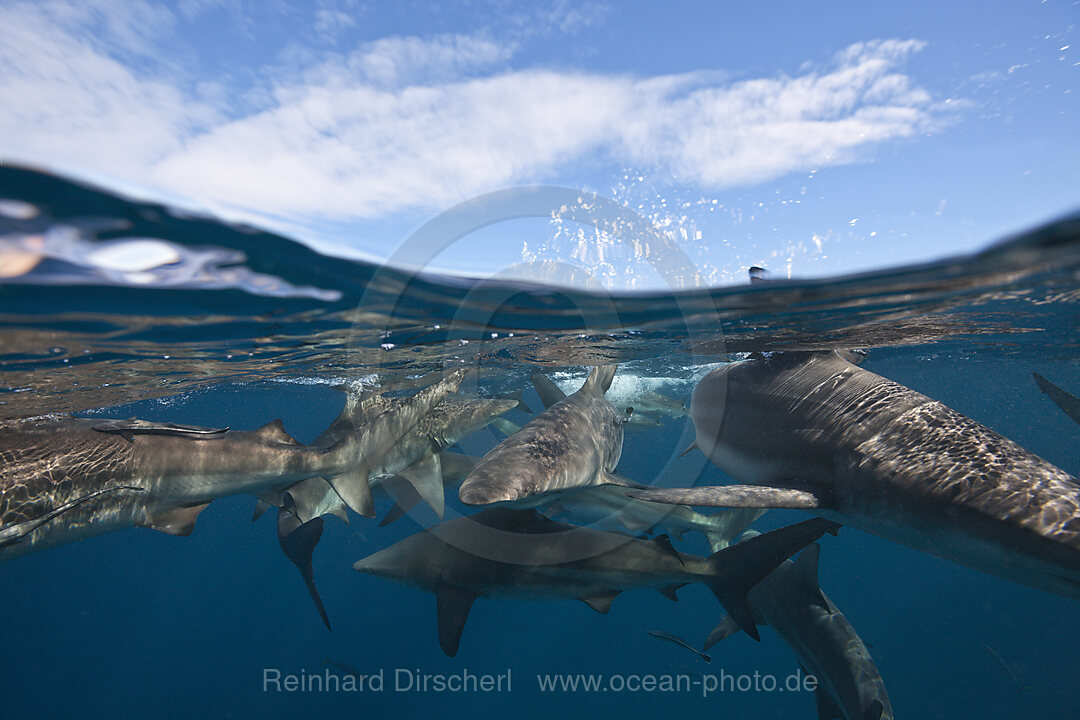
(737, 569)
(599, 379)
(298, 541)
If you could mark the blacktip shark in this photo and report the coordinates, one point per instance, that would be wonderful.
(504, 553)
(410, 470)
(574, 443)
(64, 479)
(816, 432)
(849, 685)
(416, 457)
(609, 507)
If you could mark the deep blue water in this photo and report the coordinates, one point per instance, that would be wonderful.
(140, 624)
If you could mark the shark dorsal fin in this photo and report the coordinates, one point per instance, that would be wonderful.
(548, 391)
(599, 379)
(664, 543)
(353, 488)
(452, 605)
(274, 431)
(601, 602)
(669, 592)
(298, 541)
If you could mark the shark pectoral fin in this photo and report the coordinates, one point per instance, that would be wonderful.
(404, 495)
(733, 496)
(826, 706)
(548, 391)
(725, 628)
(504, 426)
(394, 513)
(669, 592)
(178, 521)
(452, 605)
(274, 431)
(600, 602)
(426, 478)
(298, 541)
(352, 487)
(805, 573)
(314, 497)
(261, 506)
(742, 566)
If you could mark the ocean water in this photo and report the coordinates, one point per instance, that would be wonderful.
(123, 309)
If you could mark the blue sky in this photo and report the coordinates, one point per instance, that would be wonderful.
(812, 138)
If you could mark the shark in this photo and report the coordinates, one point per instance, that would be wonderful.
(609, 507)
(849, 685)
(411, 470)
(63, 479)
(504, 553)
(416, 457)
(574, 443)
(817, 432)
(1069, 403)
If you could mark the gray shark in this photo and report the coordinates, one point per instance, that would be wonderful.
(574, 443)
(55, 467)
(609, 507)
(503, 553)
(412, 469)
(814, 431)
(791, 602)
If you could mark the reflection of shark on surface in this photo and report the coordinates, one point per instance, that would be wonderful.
(519, 554)
(575, 443)
(164, 475)
(813, 431)
(790, 601)
(1068, 403)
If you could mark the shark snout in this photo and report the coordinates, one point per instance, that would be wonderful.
(480, 489)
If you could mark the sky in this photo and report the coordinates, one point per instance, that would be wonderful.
(810, 138)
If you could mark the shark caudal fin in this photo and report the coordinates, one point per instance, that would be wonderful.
(737, 569)
(599, 379)
(298, 541)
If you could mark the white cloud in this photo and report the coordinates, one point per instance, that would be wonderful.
(406, 124)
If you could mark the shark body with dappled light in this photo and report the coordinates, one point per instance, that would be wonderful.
(816, 432)
(574, 443)
(161, 475)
